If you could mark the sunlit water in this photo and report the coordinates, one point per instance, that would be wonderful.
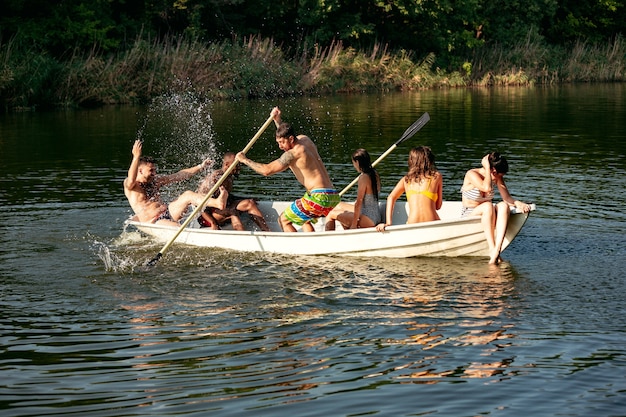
(87, 329)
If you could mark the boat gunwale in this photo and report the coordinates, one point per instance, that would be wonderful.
(367, 230)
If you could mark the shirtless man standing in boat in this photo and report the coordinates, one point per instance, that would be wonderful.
(142, 189)
(301, 156)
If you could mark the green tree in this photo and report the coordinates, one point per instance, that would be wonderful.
(591, 20)
(451, 29)
(56, 25)
(506, 22)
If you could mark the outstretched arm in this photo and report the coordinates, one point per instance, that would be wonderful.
(131, 179)
(278, 165)
(184, 174)
(397, 191)
(508, 198)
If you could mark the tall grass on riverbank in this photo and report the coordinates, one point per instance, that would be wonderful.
(339, 69)
(531, 61)
(257, 67)
(251, 68)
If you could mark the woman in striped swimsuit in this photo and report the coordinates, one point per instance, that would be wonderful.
(477, 195)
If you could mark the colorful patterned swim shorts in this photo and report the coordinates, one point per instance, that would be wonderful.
(314, 204)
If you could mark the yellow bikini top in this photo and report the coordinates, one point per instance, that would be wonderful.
(425, 193)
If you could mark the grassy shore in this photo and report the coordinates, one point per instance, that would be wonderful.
(256, 67)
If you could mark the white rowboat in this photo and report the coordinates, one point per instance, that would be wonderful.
(451, 236)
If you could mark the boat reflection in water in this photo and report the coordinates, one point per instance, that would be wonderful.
(432, 305)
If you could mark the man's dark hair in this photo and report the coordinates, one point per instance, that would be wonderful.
(285, 130)
(147, 160)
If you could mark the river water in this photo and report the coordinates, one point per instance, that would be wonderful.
(87, 329)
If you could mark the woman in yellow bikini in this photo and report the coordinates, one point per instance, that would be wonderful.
(423, 186)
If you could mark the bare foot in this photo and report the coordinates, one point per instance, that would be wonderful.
(494, 257)
(222, 198)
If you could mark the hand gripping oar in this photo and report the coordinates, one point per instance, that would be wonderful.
(210, 193)
(408, 133)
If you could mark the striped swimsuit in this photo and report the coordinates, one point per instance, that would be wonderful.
(475, 195)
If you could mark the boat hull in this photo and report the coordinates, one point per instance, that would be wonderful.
(452, 236)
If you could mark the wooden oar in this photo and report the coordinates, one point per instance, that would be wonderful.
(408, 133)
(193, 214)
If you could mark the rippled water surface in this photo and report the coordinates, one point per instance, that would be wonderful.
(87, 329)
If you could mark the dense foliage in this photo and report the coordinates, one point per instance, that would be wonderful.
(446, 28)
(99, 51)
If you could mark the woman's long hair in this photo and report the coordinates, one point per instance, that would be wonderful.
(362, 157)
(421, 164)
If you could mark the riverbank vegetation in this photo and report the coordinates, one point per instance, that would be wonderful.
(92, 61)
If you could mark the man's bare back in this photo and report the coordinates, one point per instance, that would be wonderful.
(301, 156)
(307, 165)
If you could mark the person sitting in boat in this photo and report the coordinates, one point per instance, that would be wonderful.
(142, 188)
(364, 212)
(235, 205)
(301, 156)
(423, 186)
(477, 197)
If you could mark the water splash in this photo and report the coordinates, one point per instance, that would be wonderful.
(112, 262)
(124, 253)
(181, 128)
(178, 130)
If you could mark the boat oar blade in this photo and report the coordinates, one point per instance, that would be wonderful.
(212, 191)
(414, 128)
(408, 133)
(154, 260)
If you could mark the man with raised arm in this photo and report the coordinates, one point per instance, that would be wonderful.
(142, 188)
(301, 156)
